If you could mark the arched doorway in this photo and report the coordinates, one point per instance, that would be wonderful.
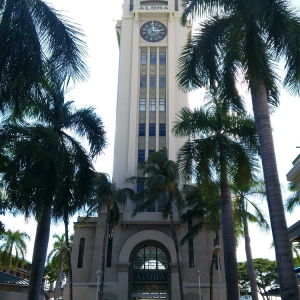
(150, 276)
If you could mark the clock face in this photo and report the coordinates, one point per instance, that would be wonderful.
(153, 31)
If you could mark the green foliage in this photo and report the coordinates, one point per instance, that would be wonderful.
(32, 34)
(160, 178)
(13, 248)
(266, 275)
(204, 206)
(105, 194)
(293, 200)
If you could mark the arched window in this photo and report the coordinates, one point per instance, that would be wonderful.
(150, 258)
(80, 253)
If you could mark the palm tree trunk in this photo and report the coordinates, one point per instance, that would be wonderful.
(229, 242)
(58, 279)
(213, 261)
(69, 260)
(287, 279)
(174, 235)
(9, 258)
(103, 252)
(40, 253)
(211, 276)
(250, 265)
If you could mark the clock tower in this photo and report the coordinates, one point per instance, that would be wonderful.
(140, 253)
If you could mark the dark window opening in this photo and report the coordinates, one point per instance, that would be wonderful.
(152, 129)
(81, 253)
(151, 152)
(153, 58)
(143, 81)
(191, 245)
(162, 58)
(142, 129)
(162, 80)
(141, 156)
(152, 81)
(162, 129)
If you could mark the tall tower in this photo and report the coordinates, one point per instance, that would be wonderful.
(150, 39)
(140, 253)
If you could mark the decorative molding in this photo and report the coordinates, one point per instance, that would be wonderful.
(123, 267)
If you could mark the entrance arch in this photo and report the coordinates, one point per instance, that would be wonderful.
(146, 237)
(150, 275)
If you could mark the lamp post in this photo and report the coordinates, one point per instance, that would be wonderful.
(63, 249)
(46, 281)
(98, 273)
(218, 251)
(199, 275)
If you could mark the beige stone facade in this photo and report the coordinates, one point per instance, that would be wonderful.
(148, 100)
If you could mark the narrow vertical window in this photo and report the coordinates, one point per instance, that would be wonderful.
(152, 81)
(162, 58)
(191, 244)
(81, 253)
(142, 129)
(153, 58)
(143, 58)
(162, 129)
(152, 104)
(151, 152)
(141, 156)
(131, 5)
(142, 104)
(162, 104)
(162, 80)
(152, 129)
(109, 246)
(143, 81)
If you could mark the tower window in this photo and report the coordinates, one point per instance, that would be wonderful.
(152, 129)
(143, 58)
(142, 104)
(151, 152)
(162, 80)
(142, 129)
(190, 244)
(152, 104)
(162, 129)
(152, 81)
(162, 104)
(80, 253)
(162, 58)
(153, 58)
(141, 156)
(143, 81)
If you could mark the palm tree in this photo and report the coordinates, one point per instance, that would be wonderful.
(44, 164)
(107, 195)
(244, 42)
(223, 144)
(162, 179)
(31, 32)
(242, 194)
(56, 259)
(293, 200)
(203, 201)
(13, 244)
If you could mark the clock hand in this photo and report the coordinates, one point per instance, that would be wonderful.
(153, 26)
